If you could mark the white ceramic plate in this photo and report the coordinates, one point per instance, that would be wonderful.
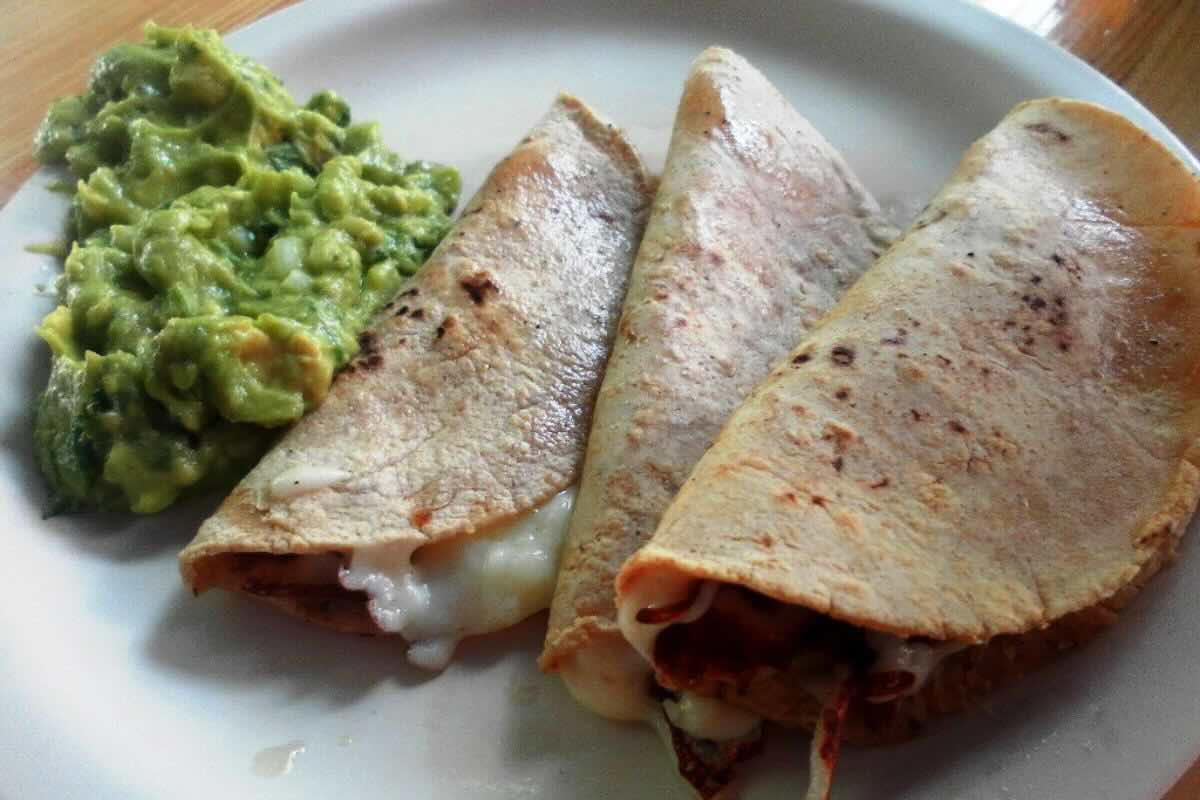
(114, 683)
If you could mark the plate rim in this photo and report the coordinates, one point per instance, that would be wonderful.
(956, 21)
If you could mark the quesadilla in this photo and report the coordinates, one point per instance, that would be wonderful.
(757, 228)
(981, 453)
(429, 493)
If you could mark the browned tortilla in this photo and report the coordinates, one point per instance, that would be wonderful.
(993, 436)
(757, 228)
(470, 401)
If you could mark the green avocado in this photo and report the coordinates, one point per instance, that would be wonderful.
(229, 247)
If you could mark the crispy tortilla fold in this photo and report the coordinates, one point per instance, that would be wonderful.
(470, 401)
(757, 228)
(992, 439)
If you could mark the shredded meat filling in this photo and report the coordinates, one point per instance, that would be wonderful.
(306, 585)
(748, 643)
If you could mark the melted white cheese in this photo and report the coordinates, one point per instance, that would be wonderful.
(436, 594)
(893, 654)
(302, 480)
(609, 678)
(656, 591)
(699, 717)
(709, 718)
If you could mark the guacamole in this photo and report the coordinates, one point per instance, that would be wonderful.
(230, 245)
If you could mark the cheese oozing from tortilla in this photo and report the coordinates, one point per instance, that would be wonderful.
(660, 591)
(709, 718)
(436, 594)
(919, 659)
(893, 654)
(610, 678)
(698, 716)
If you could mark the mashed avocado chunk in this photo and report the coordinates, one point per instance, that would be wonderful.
(230, 245)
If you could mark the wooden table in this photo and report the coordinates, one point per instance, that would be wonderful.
(1151, 48)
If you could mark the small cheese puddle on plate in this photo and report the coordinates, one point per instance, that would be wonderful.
(436, 594)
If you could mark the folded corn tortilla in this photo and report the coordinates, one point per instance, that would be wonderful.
(428, 494)
(987, 446)
(757, 228)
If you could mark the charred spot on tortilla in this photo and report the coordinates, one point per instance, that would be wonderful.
(368, 343)
(802, 358)
(841, 436)
(842, 355)
(478, 287)
(1073, 269)
(1033, 301)
(1046, 129)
